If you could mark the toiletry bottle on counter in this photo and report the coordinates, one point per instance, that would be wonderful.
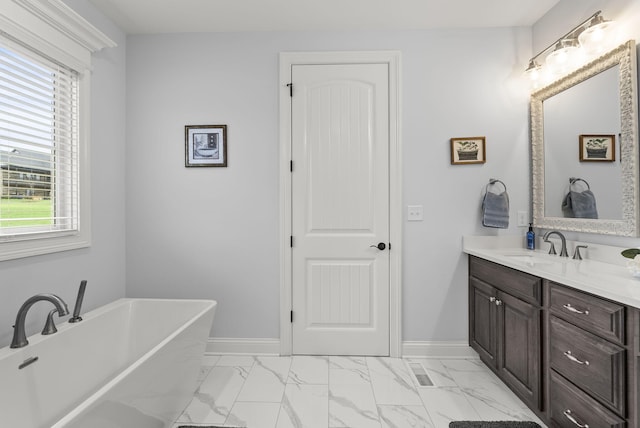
(531, 238)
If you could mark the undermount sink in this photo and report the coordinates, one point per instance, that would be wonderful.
(528, 258)
(533, 259)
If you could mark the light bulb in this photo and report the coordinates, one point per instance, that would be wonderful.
(598, 37)
(533, 71)
(561, 59)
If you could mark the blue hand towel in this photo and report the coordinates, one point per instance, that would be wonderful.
(495, 207)
(579, 204)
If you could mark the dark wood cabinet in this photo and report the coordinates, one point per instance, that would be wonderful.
(572, 357)
(589, 356)
(591, 313)
(571, 408)
(504, 329)
(519, 352)
(592, 364)
(483, 320)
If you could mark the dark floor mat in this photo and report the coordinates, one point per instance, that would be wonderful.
(206, 426)
(495, 424)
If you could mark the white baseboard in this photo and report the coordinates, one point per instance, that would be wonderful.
(422, 349)
(226, 345)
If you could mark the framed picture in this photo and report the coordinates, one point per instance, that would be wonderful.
(468, 150)
(597, 148)
(205, 145)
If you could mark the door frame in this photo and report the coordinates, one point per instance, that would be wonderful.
(392, 59)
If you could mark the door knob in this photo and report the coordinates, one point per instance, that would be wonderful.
(381, 246)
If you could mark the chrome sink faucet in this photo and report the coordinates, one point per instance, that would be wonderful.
(552, 249)
(19, 336)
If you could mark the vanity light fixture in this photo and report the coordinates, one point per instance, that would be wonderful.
(533, 70)
(587, 39)
(562, 59)
(595, 36)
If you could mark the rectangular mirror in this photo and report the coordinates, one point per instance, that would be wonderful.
(584, 137)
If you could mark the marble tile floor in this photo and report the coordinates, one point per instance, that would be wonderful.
(346, 392)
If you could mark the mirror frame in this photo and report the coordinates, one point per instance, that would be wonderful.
(624, 56)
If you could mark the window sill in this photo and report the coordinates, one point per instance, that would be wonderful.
(37, 247)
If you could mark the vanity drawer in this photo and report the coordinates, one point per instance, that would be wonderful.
(599, 316)
(591, 363)
(519, 284)
(571, 408)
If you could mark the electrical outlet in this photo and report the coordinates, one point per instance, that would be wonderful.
(414, 213)
(522, 218)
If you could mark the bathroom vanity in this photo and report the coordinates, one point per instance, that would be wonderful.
(563, 334)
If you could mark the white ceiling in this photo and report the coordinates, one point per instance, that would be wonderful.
(177, 16)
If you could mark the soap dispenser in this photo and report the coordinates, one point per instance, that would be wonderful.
(531, 238)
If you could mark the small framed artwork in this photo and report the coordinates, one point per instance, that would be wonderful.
(205, 145)
(597, 148)
(468, 150)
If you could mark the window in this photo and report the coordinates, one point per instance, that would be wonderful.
(45, 61)
(38, 145)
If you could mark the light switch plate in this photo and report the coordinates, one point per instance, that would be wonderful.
(414, 213)
(522, 218)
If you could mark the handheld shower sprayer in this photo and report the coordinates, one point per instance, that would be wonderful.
(76, 310)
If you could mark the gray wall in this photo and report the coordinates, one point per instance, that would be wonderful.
(103, 264)
(214, 232)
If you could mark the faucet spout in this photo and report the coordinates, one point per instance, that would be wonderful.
(563, 250)
(19, 336)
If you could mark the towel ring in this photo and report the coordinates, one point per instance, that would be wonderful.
(572, 181)
(494, 181)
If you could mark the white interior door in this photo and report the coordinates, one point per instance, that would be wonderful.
(340, 209)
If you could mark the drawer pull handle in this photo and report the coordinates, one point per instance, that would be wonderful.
(567, 413)
(492, 299)
(574, 310)
(498, 302)
(570, 356)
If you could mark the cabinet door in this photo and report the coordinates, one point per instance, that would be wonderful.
(482, 320)
(519, 354)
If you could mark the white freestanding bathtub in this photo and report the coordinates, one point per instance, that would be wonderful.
(132, 363)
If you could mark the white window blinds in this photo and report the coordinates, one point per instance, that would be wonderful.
(38, 145)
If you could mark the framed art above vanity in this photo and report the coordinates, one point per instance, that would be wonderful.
(598, 99)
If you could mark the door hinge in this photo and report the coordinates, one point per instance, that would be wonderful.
(290, 85)
(291, 316)
(291, 166)
(389, 246)
(291, 241)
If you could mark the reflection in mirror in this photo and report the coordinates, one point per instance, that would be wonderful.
(594, 106)
(579, 202)
(591, 108)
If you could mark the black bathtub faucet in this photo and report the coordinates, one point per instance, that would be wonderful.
(76, 309)
(19, 335)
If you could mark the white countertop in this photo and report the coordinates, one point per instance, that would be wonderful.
(606, 276)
